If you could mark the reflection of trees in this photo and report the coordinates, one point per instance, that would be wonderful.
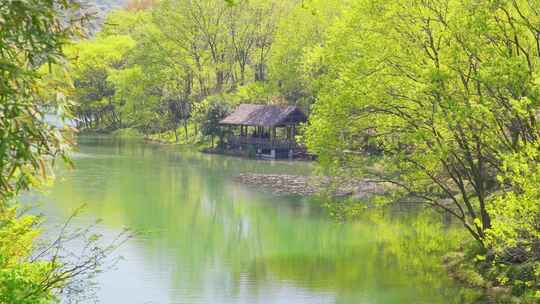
(395, 261)
(210, 224)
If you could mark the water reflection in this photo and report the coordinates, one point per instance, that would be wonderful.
(212, 240)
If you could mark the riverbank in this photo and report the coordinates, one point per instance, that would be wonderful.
(166, 138)
(460, 268)
(202, 144)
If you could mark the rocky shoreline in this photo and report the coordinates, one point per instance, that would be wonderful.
(310, 185)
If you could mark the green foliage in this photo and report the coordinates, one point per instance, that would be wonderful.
(515, 234)
(152, 64)
(302, 30)
(208, 114)
(32, 35)
(20, 280)
(97, 69)
(256, 92)
(34, 133)
(448, 90)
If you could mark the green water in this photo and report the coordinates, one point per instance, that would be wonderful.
(212, 240)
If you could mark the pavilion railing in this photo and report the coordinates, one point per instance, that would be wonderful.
(264, 143)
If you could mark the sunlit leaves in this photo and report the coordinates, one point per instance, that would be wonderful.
(449, 93)
(32, 37)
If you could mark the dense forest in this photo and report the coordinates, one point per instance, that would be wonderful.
(447, 92)
(169, 67)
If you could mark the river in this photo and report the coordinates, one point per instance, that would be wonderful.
(208, 239)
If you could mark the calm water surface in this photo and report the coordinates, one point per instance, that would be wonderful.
(211, 240)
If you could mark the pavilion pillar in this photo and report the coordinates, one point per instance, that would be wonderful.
(239, 140)
(289, 133)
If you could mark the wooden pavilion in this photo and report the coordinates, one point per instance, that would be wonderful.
(269, 129)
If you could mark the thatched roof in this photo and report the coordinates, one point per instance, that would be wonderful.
(264, 116)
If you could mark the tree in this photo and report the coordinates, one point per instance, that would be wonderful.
(448, 90)
(300, 30)
(26, 45)
(92, 65)
(151, 64)
(209, 113)
(32, 37)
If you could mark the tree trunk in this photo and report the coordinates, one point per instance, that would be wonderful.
(186, 129)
